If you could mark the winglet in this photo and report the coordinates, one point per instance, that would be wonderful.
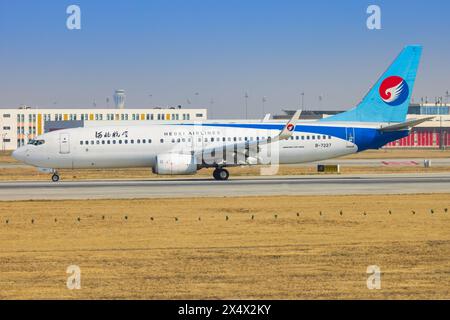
(289, 128)
(266, 118)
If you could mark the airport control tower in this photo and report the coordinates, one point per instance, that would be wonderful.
(119, 98)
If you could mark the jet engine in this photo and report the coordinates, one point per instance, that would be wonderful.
(174, 163)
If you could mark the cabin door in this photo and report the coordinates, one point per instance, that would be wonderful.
(64, 143)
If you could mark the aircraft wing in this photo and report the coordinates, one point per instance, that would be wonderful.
(242, 148)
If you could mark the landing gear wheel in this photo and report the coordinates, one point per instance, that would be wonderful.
(55, 177)
(221, 174)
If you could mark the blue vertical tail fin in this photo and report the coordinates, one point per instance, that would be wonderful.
(388, 99)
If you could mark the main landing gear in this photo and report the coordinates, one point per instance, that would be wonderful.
(55, 177)
(221, 174)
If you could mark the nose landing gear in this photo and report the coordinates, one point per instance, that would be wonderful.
(221, 174)
(55, 177)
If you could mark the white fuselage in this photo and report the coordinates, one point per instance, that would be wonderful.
(138, 146)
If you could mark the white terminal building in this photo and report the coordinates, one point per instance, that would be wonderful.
(18, 126)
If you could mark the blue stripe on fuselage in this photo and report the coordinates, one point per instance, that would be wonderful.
(365, 138)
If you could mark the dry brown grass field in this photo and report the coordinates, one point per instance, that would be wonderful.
(247, 248)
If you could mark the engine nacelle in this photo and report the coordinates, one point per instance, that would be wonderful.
(173, 163)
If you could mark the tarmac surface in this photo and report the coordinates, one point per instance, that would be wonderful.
(345, 162)
(238, 186)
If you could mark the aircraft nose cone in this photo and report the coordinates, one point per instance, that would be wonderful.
(18, 154)
(14, 154)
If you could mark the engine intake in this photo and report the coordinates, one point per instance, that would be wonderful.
(173, 163)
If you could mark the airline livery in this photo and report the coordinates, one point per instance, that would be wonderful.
(184, 148)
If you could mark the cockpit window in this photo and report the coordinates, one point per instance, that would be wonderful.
(36, 142)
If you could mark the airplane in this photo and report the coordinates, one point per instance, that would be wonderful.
(186, 147)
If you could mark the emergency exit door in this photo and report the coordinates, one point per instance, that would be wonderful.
(64, 143)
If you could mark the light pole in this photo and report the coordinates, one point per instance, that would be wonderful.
(246, 104)
(447, 95)
(211, 103)
(302, 95)
(196, 94)
(3, 141)
(264, 99)
(150, 96)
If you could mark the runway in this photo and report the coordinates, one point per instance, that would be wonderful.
(436, 162)
(239, 186)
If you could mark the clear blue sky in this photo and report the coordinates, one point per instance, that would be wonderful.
(218, 48)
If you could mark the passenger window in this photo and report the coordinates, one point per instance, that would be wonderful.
(126, 141)
(145, 141)
(92, 141)
(138, 140)
(86, 142)
(81, 142)
(103, 141)
(329, 137)
(149, 140)
(324, 137)
(108, 141)
(120, 141)
(162, 140)
(132, 141)
(97, 141)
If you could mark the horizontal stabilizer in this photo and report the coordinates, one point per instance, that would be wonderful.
(404, 125)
